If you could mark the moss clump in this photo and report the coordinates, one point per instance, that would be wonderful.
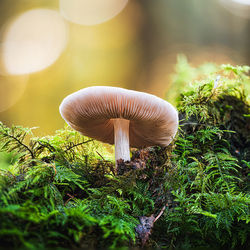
(63, 191)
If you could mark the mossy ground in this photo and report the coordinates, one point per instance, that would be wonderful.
(63, 191)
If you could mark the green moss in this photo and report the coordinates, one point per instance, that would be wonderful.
(62, 191)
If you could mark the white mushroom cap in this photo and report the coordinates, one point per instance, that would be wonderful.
(92, 111)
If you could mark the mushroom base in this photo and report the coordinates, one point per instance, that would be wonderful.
(121, 134)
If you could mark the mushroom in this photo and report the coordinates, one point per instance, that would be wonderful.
(121, 117)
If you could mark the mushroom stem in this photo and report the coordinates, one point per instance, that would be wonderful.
(121, 134)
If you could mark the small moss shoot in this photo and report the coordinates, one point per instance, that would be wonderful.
(63, 191)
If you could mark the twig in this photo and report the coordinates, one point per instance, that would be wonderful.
(111, 167)
(100, 155)
(159, 215)
(78, 144)
(48, 146)
(70, 198)
(22, 144)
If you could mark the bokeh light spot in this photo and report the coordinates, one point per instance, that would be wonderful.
(91, 12)
(239, 8)
(244, 2)
(34, 41)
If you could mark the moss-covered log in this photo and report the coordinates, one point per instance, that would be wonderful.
(62, 191)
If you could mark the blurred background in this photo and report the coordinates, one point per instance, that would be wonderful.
(51, 48)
